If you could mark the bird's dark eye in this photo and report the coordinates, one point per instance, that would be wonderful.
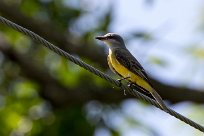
(110, 36)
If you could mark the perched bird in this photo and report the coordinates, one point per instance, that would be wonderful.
(123, 63)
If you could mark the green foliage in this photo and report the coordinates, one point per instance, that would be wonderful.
(31, 7)
(17, 102)
(24, 110)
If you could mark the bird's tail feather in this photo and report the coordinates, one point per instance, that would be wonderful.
(158, 98)
(152, 94)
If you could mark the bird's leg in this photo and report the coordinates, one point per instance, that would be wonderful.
(120, 80)
(130, 84)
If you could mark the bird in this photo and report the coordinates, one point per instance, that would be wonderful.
(123, 63)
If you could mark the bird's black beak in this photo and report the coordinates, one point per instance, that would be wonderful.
(100, 38)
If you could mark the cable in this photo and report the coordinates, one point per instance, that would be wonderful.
(96, 72)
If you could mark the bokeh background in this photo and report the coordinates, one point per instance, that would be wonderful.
(41, 93)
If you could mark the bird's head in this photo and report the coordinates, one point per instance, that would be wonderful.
(112, 40)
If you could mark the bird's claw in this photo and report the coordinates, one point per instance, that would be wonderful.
(120, 82)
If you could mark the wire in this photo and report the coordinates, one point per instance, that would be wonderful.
(96, 72)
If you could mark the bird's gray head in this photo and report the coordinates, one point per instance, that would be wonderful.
(112, 40)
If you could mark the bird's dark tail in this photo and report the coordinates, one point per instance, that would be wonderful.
(152, 94)
(158, 98)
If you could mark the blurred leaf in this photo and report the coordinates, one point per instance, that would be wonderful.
(69, 122)
(105, 21)
(67, 73)
(30, 8)
(158, 61)
(197, 52)
(60, 13)
(12, 36)
(143, 35)
(25, 90)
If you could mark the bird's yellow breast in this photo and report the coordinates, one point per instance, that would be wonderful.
(124, 72)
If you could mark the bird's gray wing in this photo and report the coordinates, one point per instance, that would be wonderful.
(125, 58)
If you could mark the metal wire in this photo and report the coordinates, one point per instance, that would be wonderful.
(97, 72)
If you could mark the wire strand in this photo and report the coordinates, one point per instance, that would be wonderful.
(96, 71)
